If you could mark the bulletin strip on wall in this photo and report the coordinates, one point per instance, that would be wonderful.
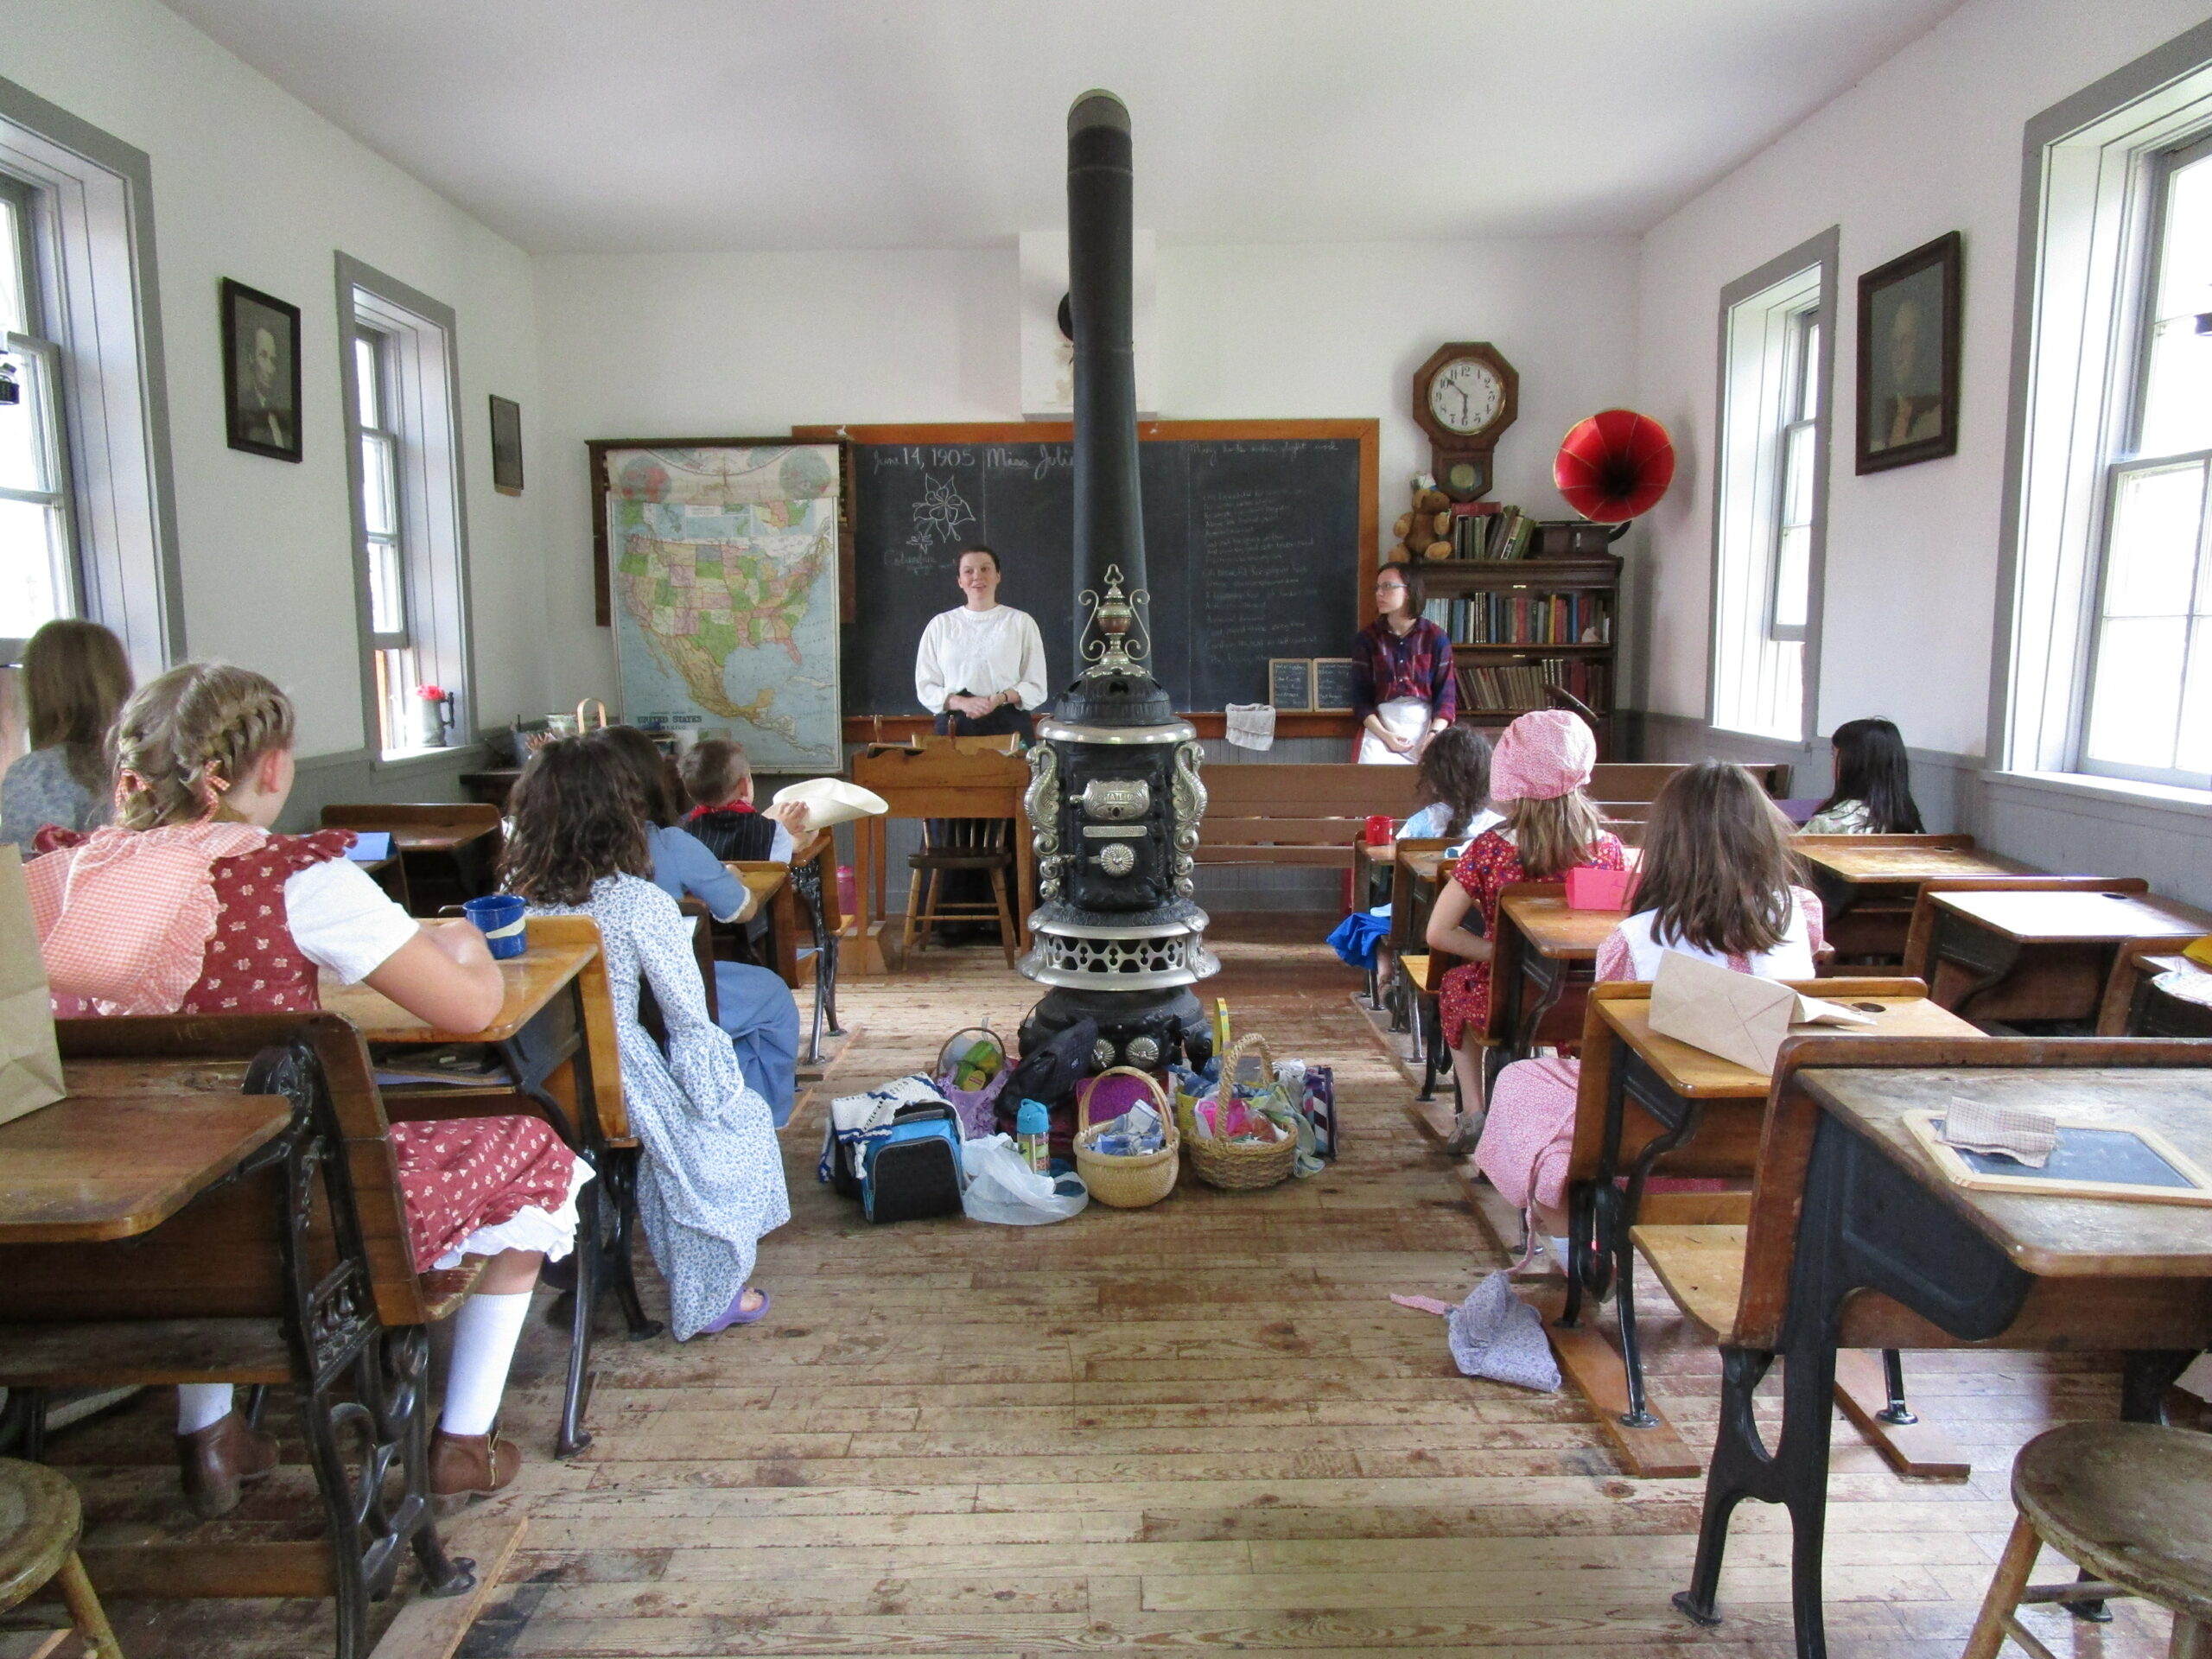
(886, 727)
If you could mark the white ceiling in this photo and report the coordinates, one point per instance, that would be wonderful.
(636, 125)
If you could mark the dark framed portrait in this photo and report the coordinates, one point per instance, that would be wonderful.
(1909, 357)
(506, 445)
(261, 372)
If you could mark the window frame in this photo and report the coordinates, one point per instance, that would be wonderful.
(2090, 199)
(1801, 375)
(419, 358)
(1751, 520)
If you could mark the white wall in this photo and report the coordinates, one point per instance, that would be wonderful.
(1928, 143)
(251, 184)
(700, 345)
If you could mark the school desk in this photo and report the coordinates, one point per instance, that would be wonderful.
(2156, 994)
(1867, 884)
(942, 778)
(1543, 948)
(2032, 955)
(1648, 1102)
(1857, 1240)
(554, 1035)
(450, 849)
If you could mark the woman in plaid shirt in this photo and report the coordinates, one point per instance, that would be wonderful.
(1404, 691)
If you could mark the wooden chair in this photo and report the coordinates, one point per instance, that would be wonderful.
(41, 1522)
(2079, 973)
(951, 844)
(463, 856)
(2130, 1504)
(295, 1272)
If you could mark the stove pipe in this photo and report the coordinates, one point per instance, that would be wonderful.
(1108, 516)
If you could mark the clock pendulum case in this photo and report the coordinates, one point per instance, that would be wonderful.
(1465, 396)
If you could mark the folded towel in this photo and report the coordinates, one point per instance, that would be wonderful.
(2014, 1132)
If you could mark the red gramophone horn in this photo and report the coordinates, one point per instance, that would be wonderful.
(1615, 465)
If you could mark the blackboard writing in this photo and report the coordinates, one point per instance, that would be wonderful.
(1252, 550)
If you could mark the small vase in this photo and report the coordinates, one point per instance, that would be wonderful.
(432, 715)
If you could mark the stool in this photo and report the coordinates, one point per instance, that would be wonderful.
(967, 844)
(40, 1521)
(2131, 1504)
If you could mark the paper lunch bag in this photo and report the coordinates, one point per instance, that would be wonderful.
(30, 1062)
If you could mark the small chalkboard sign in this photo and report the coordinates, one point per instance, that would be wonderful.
(1290, 685)
(2092, 1161)
(1332, 685)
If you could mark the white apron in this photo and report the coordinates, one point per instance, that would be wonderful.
(1407, 717)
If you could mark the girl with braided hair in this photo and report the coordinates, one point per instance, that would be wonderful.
(190, 906)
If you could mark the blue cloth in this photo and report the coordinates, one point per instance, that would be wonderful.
(752, 1004)
(1357, 935)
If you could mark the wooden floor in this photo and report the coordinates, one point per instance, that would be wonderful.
(1202, 1427)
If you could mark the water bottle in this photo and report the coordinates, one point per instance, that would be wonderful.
(1032, 1131)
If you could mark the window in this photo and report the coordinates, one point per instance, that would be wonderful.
(1769, 511)
(2150, 705)
(409, 537)
(2105, 649)
(86, 524)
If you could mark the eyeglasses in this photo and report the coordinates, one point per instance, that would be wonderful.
(1390, 587)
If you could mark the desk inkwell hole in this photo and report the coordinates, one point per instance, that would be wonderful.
(1870, 1007)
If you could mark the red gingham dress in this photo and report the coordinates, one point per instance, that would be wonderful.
(458, 1175)
(1492, 864)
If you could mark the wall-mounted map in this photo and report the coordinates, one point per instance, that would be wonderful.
(723, 561)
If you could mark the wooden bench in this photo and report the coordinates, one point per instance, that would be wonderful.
(293, 1270)
(1854, 1240)
(1283, 813)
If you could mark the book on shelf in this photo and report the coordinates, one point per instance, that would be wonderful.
(1511, 688)
(1523, 618)
(1485, 530)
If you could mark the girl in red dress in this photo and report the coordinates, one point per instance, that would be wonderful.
(1537, 776)
(191, 906)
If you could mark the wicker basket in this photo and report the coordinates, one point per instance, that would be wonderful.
(1233, 1165)
(1136, 1181)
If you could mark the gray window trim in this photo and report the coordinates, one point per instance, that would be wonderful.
(125, 499)
(1824, 250)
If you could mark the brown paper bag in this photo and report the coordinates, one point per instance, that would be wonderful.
(30, 1064)
(1734, 1016)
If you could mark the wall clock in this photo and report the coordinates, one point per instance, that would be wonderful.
(1465, 396)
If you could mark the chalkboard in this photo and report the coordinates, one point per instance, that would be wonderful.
(1290, 683)
(1332, 684)
(2091, 1160)
(1252, 549)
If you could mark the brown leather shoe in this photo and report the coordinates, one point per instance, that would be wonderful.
(219, 1459)
(471, 1465)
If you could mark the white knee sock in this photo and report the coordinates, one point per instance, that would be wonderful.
(1559, 1250)
(201, 1404)
(485, 1333)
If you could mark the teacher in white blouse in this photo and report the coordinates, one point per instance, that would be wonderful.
(981, 668)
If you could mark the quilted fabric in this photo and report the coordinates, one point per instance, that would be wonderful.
(1495, 1334)
(1543, 755)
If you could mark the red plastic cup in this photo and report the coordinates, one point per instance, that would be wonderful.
(1378, 830)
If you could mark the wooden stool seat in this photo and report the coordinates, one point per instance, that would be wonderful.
(40, 1521)
(2130, 1505)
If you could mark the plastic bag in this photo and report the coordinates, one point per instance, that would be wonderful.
(999, 1187)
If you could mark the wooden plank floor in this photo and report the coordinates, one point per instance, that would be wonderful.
(1199, 1427)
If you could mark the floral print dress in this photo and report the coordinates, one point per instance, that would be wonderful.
(1490, 865)
(711, 1182)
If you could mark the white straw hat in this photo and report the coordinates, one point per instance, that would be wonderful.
(832, 800)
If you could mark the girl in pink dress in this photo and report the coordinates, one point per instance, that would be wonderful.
(1717, 883)
(1537, 776)
(191, 906)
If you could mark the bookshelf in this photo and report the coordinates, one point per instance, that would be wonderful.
(1520, 625)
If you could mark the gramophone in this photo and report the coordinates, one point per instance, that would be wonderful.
(1614, 465)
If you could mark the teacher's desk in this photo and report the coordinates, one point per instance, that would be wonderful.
(944, 778)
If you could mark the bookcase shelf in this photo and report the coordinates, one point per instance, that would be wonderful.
(1495, 669)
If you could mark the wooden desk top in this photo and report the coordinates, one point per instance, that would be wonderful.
(1861, 865)
(2047, 1234)
(1695, 1075)
(122, 1153)
(762, 878)
(436, 840)
(2038, 918)
(532, 980)
(1426, 866)
(1552, 930)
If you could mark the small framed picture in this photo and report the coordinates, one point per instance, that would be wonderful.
(1332, 685)
(1290, 685)
(1909, 357)
(506, 445)
(261, 373)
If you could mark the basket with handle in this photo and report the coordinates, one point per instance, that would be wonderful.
(583, 724)
(1239, 1166)
(1130, 1181)
(978, 1108)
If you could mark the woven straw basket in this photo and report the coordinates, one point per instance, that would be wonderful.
(1237, 1167)
(1132, 1182)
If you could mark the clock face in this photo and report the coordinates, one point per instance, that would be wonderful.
(1466, 394)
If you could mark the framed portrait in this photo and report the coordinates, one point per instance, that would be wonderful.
(1909, 357)
(506, 445)
(261, 373)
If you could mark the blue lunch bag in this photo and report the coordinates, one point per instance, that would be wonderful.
(913, 1169)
